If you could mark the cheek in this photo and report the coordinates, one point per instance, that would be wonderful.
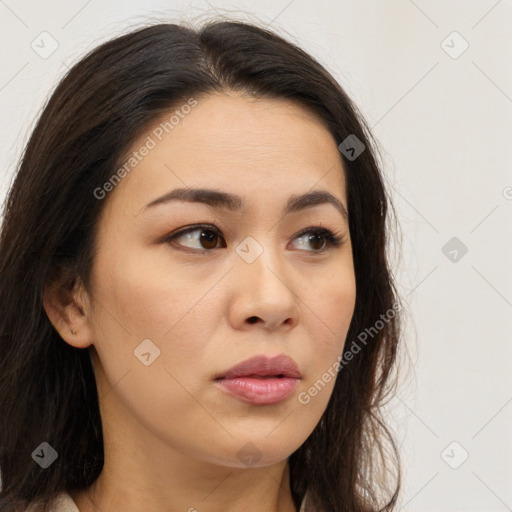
(333, 305)
(160, 401)
(145, 296)
(145, 317)
(328, 321)
(138, 302)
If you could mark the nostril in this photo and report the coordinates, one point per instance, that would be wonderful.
(253, 319)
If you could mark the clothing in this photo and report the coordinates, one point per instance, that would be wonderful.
(303, 504)
(64, 503)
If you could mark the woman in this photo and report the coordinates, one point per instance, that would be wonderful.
(180, 255)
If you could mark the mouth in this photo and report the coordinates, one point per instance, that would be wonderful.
(259, 389)
(261, 380)
(263, 367)
(254, 376)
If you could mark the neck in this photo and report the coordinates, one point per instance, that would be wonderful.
(264, 489)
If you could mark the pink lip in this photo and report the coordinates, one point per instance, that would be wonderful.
(262, 391)
(265, 366)
(261, 380)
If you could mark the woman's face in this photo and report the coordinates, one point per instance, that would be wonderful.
(167, 317)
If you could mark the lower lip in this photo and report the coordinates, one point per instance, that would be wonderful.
(259, 391)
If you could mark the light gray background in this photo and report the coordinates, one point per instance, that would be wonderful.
(444, 122)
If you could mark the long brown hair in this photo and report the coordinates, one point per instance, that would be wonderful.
(47, 387)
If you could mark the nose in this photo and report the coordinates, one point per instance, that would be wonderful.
(263, 293)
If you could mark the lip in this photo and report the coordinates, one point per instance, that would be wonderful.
(261, 380)
(264, 366)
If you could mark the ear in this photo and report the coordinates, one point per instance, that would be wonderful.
(67, 305)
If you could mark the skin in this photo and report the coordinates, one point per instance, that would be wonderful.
(171, 436)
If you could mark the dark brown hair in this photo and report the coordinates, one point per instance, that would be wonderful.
(104, 103)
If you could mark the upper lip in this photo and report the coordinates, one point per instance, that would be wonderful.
(280, 365)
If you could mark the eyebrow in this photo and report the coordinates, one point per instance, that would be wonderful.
(220, 199)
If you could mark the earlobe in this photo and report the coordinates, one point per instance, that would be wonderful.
(65, 306)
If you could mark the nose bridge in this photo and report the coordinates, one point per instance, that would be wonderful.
(261, 287)
(262, 265)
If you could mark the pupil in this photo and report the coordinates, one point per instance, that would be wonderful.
(208, 238)
(315, 238)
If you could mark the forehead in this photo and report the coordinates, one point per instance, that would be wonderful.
(250, 147)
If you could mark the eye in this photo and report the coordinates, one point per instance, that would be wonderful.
(318, 238)
(208, 236)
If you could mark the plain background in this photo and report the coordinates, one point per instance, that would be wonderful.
(442, 114)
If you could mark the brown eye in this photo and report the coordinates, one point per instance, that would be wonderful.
(208, 238)
(199, 237)
(316, 242)
(316, 239)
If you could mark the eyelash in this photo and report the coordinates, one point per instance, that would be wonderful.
(333, 240)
